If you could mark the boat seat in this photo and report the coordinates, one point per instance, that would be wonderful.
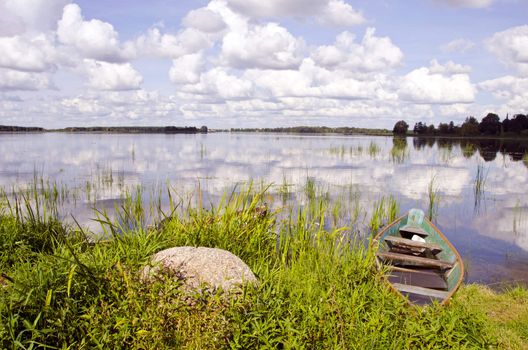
(421, 290)
(409, 244)
(414, 230)
(414, 223)
(412, 260)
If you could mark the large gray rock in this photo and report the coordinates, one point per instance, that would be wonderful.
(200, 266)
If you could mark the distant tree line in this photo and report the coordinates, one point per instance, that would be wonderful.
(317, 130)
(114, 129)
(490, 125)
(7, 128)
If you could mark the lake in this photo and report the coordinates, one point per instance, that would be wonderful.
(481, 186)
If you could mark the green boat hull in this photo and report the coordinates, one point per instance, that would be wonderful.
(424, 266)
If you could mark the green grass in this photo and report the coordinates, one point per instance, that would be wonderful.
(433, 197)
(318, 289)
(479, 185)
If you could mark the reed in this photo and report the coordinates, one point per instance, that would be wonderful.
(479, 185)
(433, 198)
(63, 287)
(373, 149)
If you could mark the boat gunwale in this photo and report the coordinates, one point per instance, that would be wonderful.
(458, 258)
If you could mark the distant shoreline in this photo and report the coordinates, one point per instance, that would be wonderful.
(110, 129)
(302, 130)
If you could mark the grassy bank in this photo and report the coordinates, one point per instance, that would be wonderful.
(318, 289)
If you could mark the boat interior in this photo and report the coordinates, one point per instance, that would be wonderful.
(422, 265)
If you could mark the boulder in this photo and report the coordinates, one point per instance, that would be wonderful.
(200, 266)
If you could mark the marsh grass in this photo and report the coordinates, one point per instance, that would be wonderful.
(373, 149)
(433, 197)
(318, 288)
(479, 185)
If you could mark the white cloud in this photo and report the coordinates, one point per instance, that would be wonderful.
(467, 3)
(511, 47)
(267, 46)
(35, 55)
(156, 44)
(186, 69)
(112, 76)
(458, 45)
(339, 13)
(218, 82)
(114, 107)
(333, 12)
(455, 110)
(448, 68)
(423, 86)
(204, 20)
(92, 39)
(372, 54)
(19, 16)
(510, 89)
(16, 80)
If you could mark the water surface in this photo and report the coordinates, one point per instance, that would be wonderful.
(481, 186)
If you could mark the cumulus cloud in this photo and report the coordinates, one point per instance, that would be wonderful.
(511, 47)
(218, 82)
(27, 54)
(371, 54)
(92, 39)
(117, 106)
(510, 89)
(339, 13)
(333, 12)
(112, 76)
(448, 68)
(424, 86)
(34, 16)
(186, 69)
(266, 46)
(458, 45)
(16, 80)
(467, 3)
(204, 20)
(157, 44)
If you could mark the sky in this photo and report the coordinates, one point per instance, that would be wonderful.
(255, 63)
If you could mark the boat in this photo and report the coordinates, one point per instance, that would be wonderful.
(422, 264)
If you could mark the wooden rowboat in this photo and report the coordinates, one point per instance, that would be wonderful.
(424, 266)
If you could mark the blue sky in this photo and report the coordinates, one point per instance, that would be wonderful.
(250, 63)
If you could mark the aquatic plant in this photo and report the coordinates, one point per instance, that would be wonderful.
(479, 185)
(318, 287)
(373, 149)
(433, 198)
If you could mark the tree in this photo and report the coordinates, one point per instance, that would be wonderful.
(451, 128)
(518, 123)
(443, 128)
(420, 128)
(490, 124)
(470, 127)
(431, 129)
(400, 127)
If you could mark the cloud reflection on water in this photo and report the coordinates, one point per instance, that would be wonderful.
(217, 161)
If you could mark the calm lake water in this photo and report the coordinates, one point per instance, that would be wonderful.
(489, 226)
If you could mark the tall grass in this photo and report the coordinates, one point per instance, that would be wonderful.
(373, 149)
(433, 198)
(318, 286)
(479, 185)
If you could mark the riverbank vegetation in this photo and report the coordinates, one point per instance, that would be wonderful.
(64, 287)
(489, 126)
(113, 129)
(318, 130)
